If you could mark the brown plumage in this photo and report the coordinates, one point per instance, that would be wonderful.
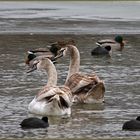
(86, 88)
(52, 99)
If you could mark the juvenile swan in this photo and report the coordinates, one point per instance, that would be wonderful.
(86, 88)
(52, 99)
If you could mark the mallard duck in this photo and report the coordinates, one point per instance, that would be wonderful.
(34, 122)
(86, 88)
(107, 45)
(50, 52)
(133, 125)
(52, 99)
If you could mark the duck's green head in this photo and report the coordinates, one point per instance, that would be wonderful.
(119, 39)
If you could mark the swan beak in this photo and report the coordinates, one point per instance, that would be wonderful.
(33, 68)
(60, 54)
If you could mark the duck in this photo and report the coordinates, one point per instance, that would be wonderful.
(50, 51)
(34, 122)
(133, 125)
(85, 88)
(106, 46)
(51, 99)
(102, 50)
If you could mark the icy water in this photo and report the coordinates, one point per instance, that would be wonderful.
(24, 26)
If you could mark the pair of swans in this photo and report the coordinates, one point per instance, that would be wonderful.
(57, 100)
(85, 88)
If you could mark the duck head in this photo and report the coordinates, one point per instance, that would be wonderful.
(119, 39)
(30, 57)
(138, 118)
(50, 52)
(54, 48)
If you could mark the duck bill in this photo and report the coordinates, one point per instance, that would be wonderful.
(125, 42)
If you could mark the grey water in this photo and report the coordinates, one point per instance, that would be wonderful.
(30, 25)
(120, 74)
(70, 17)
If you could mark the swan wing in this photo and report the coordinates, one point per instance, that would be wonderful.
(62, 95)
(97, 92)
(90, 93)
(78, 82)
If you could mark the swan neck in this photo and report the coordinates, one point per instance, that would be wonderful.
(52, 73)
(74, 60)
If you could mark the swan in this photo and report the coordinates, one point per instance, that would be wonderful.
(52, 99)
(34, 122)
(116, 44)
(85, 88)
(132, 125)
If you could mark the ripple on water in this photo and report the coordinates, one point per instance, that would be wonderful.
(17, 89)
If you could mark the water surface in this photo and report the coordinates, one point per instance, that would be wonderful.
(29, 25)
(120, 74)
(70, 17)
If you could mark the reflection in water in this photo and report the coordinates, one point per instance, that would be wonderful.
(17, 89)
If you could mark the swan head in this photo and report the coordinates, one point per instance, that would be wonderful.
(39, 64)
(63, 47)
(62, 52)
